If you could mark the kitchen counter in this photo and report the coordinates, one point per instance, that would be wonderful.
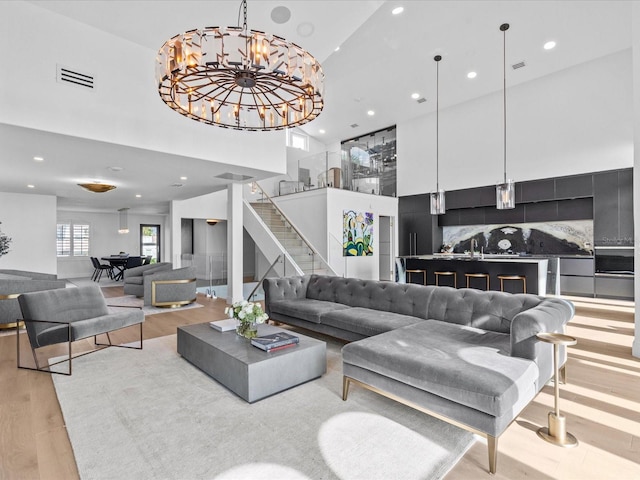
(533, 268)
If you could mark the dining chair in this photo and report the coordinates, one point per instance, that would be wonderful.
(99, 268)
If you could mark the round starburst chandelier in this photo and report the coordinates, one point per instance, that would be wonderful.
(238, 78)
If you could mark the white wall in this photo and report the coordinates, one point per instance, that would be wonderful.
(30, 221)
(636, 180)
(105, 239)
(340, 200)
(319, 216)
(577, 120)
(123, 108)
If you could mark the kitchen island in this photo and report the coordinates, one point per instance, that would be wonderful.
(534, 269)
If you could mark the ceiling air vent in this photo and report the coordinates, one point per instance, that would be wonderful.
(236, 177)
(69, 75)
(421, 100)
(354, 125)
(518, 65)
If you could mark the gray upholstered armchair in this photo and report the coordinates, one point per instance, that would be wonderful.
(66, 315)
(15, 282)
(170, 288)
(134, 277)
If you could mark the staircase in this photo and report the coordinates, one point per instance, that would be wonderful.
(302, 254)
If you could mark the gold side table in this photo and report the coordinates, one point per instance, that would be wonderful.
(557, 433)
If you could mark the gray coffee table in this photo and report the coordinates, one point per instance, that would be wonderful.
(246, 370)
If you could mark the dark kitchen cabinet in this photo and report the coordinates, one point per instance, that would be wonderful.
(417, 234)
(613, 208)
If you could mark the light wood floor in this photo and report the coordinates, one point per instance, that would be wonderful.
(601, 400)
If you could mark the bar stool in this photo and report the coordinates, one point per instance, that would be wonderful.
(513, 277)
(469, 276)
(447, 274)
(423, 272)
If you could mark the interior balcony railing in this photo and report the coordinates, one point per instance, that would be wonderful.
(298, 248)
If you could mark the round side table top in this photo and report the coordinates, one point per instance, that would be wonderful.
(557, 338)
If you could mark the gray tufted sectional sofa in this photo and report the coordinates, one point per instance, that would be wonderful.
(466, 356)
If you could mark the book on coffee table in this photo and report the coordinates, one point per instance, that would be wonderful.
(272, 341)
(224, 325)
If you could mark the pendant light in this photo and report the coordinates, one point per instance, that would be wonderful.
(505, 191)
(124, 220)
(437, 197)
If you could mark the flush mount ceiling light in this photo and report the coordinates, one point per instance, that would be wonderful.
(437, 197)
(238, 78)
(97, 187)
(505, 191)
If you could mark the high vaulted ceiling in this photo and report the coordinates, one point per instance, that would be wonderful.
(382, 59)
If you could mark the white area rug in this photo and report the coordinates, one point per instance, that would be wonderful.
(152, 415)
(135, 302)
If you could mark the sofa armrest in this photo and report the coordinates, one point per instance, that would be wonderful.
(286, 288)
(551, 315)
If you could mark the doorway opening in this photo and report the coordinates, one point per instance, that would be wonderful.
(150, 242)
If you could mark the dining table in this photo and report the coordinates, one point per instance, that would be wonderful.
(119, 263)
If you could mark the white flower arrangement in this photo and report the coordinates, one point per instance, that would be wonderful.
(247, 314)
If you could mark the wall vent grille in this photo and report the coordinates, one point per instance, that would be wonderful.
(69, 75)
(421, 100)
(518, 65)
(354, 125)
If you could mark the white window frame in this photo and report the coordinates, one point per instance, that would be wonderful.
(77, 237)
(297, 139)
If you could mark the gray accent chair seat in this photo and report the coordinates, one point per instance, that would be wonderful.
(15, 282)
(466, 356)
(68, 315)
(134, 277)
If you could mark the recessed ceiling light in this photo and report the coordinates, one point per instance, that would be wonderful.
(138, 195)
(371, 113)
(322, 131)
(549, 45)
(31, 186)
(415, 96)
(115, 169)
(183, 178)
(39, 159)
(397, 10)
(472, 75)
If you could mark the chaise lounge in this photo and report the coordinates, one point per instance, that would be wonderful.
(466, 356)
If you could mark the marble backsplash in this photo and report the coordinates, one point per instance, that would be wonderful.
(570, 237)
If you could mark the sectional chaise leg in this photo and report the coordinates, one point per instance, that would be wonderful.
(492, 443)
(345, 387)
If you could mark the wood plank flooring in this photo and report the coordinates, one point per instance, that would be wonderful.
(601, 400)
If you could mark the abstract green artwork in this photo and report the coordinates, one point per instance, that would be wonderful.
(357, 238)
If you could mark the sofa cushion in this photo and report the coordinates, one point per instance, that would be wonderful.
(405, 299)
(463, 364)
(486, 310)
(304, 308)
(134, 280)
(366, 321)
(6, 276)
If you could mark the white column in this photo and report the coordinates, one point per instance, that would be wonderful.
(635, 42)
(234, 243)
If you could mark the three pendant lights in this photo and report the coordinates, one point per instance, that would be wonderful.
(505, 190)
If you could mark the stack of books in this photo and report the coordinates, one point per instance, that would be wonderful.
(275, 341)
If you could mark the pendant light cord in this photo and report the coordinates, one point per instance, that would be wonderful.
(437, 125)
(504, 27)
(437, 58)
